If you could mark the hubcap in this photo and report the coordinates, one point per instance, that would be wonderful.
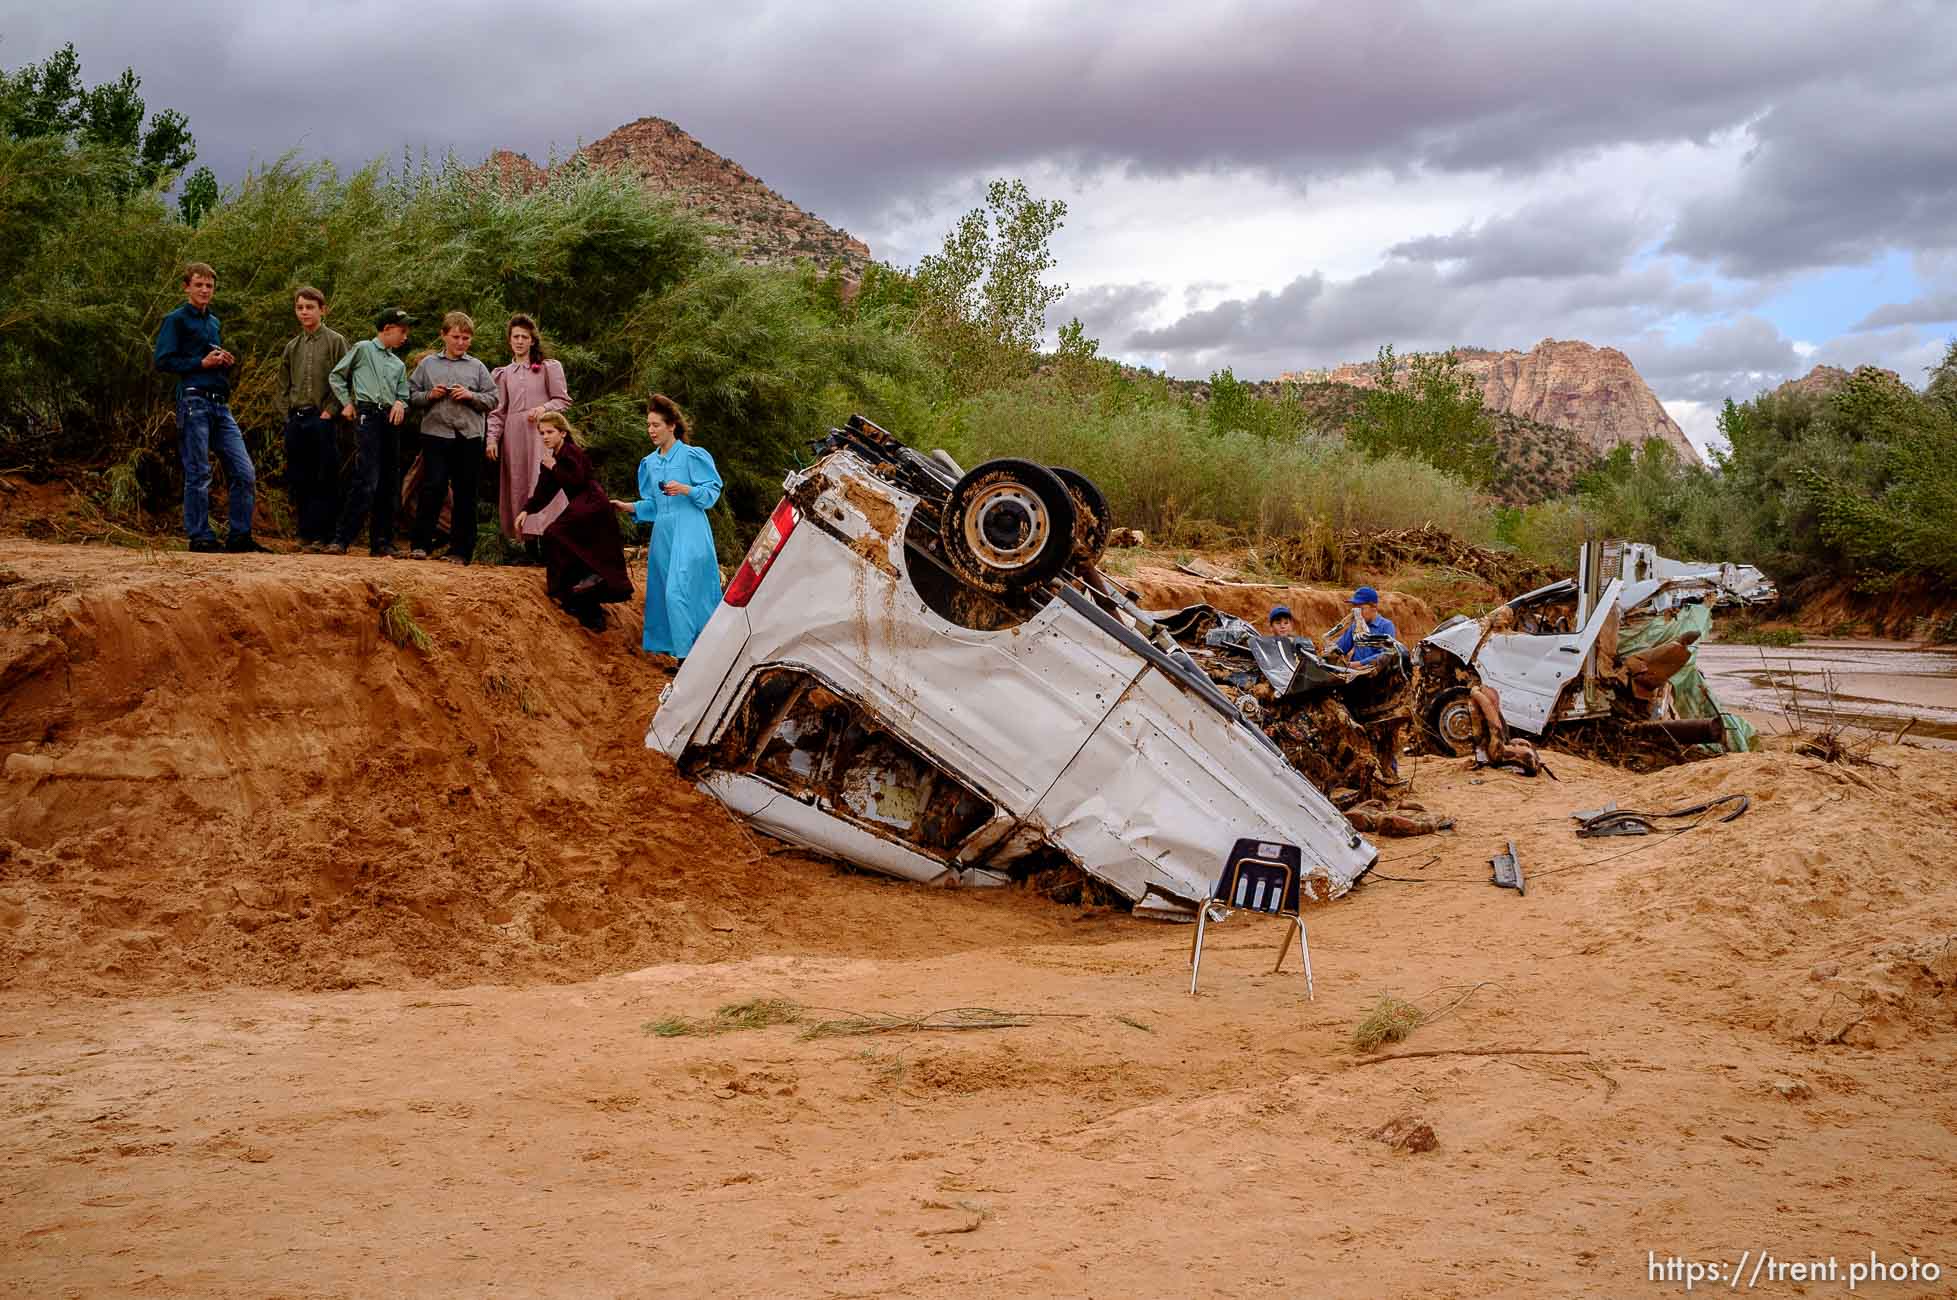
(1006, 525)
(1457, 725)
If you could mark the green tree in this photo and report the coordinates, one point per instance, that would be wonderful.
(1231, 402)
(1895, 512)
(1942, 388)
(49, 100)
(199, 196)
(1238, 406)
(1432, 412)
(1074, 345)
(981, 299)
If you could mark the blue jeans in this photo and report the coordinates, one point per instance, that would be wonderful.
(204, 425)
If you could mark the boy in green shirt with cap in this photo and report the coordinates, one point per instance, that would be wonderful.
(371, 385)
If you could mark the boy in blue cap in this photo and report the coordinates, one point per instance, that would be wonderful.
(1365, 620)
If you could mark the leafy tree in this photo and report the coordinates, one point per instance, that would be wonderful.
(1896, 512)
(1077, 362)
(48, 100)
(43, 99)
(1231, 402)
(1942, 388)
(1074, 345)
(199, 196)
(1238, 406)
(1432, 412)
(763, 365)
(980, 301)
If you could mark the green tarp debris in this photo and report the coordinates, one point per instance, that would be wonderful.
(1690, 698)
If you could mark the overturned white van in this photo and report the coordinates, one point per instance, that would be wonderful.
(921, 672)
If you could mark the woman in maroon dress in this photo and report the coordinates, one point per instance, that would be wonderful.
(584, 556)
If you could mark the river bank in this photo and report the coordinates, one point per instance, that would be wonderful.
(1869, 685)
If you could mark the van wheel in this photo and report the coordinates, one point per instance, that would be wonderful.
(1009, 525)
(1091, 516)
(1452, 723)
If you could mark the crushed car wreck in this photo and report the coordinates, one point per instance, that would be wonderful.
(1594, 664)
(921, 671)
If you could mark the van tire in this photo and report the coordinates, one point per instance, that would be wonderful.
(1009, 524)
(1092, 519)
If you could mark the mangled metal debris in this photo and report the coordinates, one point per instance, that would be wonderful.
(1507, 868)
(1339, 725)
(1612, 820)
(1724, 585)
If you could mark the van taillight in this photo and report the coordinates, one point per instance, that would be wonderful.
(767, 545)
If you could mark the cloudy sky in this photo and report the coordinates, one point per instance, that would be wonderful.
(1731, 193)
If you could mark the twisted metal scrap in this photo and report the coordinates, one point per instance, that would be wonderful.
(1625, 821)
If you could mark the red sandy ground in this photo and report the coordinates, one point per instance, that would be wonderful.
(327, 967)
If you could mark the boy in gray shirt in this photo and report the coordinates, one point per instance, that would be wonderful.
(454, 394)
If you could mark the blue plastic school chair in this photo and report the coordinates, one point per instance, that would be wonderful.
(1258, 876)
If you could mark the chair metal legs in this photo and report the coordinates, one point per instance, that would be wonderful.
(1304, 951)
(1196, 948)
(1304, 954)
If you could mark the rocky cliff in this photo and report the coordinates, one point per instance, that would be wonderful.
(1823, 380)
(1595, 393)
(759, 225)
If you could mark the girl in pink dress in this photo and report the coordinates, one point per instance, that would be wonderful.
(526, 388)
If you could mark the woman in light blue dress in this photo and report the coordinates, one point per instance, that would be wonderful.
(678, 484)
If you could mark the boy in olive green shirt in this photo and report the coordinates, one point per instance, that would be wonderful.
(312, 444)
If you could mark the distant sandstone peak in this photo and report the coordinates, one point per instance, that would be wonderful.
(1823, 380)
(512, 171)
(1594, 392)
(761, 227)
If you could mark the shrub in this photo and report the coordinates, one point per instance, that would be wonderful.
(1161, 467)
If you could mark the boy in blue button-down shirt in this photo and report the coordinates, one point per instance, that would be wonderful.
(190, 347)
(1365, 620)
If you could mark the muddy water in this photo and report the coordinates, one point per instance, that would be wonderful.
(1879, 685)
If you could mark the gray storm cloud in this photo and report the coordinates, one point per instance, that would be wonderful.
(849, 107)
(868, 114)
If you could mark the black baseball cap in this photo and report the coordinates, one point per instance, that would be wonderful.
(392, 316)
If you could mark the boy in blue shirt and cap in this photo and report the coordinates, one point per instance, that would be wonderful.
(1365, 620)
(189, 346)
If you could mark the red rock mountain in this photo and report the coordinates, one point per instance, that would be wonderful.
(1595, 393)
(760, 226)
(1822, 380)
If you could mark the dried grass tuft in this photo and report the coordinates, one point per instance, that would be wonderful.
(1393, 1018)
(1390, 1021)
(756, 1013)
